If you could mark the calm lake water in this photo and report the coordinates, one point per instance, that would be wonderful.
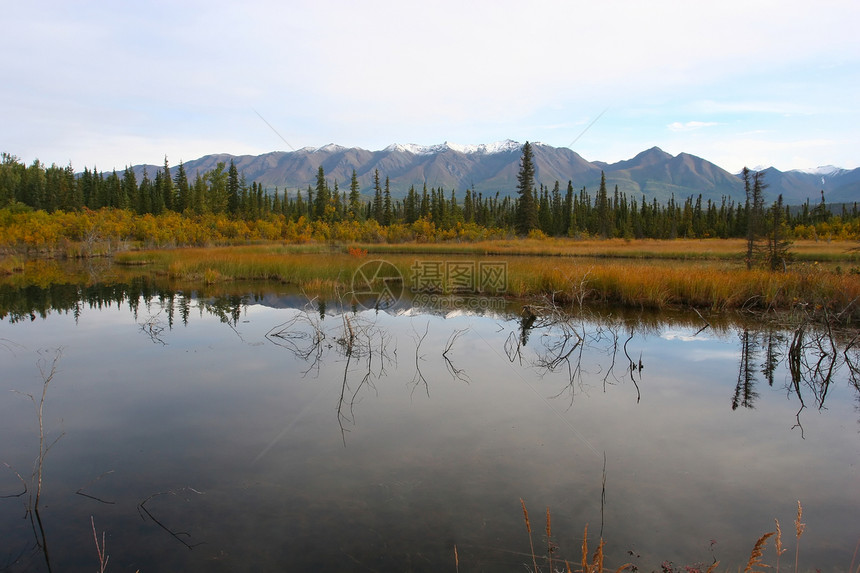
(265, 432)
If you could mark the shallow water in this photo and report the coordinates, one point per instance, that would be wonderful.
(265, 433)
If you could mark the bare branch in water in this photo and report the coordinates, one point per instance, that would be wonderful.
(418, 378)
(100, 549)
(100, 500)
(456, 373)
(177, 535)
(154, 327)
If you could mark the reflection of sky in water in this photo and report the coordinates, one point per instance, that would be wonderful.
(422, 461)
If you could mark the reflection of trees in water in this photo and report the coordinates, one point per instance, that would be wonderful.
(813, 355)
(367, 350)
(32, 487)
(809, 348)
(365, 347)
(745, 394)
(588, 346)
(564, 339)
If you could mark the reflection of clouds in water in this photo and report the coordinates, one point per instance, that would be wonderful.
(686, 336)
(700, 354)
(709, 347)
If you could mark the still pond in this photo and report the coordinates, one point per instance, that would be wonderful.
(269, 432)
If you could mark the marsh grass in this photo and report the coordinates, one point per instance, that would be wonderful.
(595, 562)
(677, 249)
(589, 564)
(703, 274)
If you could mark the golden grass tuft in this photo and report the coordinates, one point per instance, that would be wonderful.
(779, 548)
(799, 528)
(757, 552)
(529, 529)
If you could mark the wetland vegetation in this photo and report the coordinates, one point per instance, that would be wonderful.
(696, 360)
(256, 417)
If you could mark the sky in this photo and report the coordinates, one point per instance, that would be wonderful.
(740, 83)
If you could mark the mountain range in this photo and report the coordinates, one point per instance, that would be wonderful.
(493, 168)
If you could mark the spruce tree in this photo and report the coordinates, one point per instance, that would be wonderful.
(754, 187)
(168, 191)
(144, 204)
(322, 197)
(183, 190)
(233, 200)
(778, 245)
(527, 214)
(376, 212)
(354, 211)
(387, 212)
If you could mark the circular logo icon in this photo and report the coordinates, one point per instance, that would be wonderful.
(377, 284)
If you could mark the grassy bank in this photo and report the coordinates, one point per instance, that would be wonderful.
(644, 274)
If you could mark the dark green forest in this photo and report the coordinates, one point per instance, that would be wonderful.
(555, 209)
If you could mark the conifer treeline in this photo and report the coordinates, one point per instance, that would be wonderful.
(560, 211)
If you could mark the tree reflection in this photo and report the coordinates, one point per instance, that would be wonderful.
(360, 342)
(811, 354)
(585, 347)
(564, 340)
(745, 394)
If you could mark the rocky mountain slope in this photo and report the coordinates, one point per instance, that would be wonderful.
(493, 168)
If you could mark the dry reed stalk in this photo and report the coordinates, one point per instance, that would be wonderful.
(779, 548)
(549, 547)
(100, 549)
(585, 550)
(799, 527)
(597, 560)
(757, 552)
(529, 529)
(456, 560)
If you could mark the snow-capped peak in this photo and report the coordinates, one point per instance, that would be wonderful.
(331, 147)
(823, 170)
(482, 148)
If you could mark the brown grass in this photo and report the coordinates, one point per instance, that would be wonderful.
(592, 564)
(595, 562)
(756, 554)
(799, 528)
(704, 274)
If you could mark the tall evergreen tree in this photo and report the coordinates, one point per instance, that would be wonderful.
(183, 190)
(217, 199)
(322, 197)
(387, 210)
(117, 196)
(168, 191)
(144, 194)
(354, 210)
(233, 200)
(604, 222)
(754, 189)
(527, 214)
(376, 211)
(777, 245)
(568, 208)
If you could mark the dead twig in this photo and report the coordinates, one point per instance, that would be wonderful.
(100, 500)
(177, 535)
(100, 549)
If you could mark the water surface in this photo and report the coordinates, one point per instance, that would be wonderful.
(268, 432)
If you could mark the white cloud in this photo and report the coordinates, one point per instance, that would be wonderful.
(373, 73)
(690, 125)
